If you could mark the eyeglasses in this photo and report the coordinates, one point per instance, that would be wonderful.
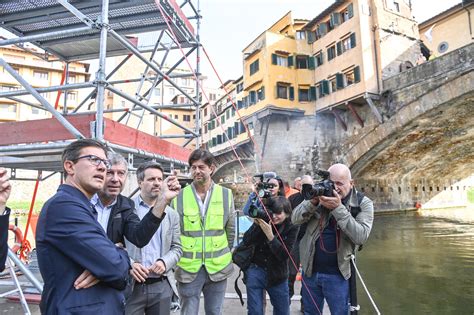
(95, 160)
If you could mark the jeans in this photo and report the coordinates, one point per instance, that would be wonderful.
(256, 283)
(333, 288)
(190, 294)
(150, 299)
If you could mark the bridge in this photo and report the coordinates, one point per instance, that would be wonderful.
(419, 149)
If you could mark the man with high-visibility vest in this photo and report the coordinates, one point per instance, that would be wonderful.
(207, 233)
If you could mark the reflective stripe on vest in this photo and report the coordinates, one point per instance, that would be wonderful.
(204, 242)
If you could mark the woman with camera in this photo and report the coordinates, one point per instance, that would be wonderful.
(269, 263)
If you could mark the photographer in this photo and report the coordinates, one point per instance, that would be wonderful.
(339, 221)
(270, 185)
(5, 189)
(269, 264)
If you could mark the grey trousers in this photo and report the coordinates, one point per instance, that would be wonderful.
(150, 299)
(190, 294)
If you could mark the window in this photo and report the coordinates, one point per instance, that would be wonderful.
(212, 96)
(176, 117)
(194, 116)
(279, 60)
(252, 97)
(45, 95)
(8, 88)
(303, 95)
(239, 88)
(186, 81)
(318, 59)
(331, 52)
(227, 114)
(72, 79)
(9, 108)
(301, 62)
(71, 96)
(222, 119)
(157, 92)
(35, 111)
(254, 67)
(42, 75)
(261, 93)
(205, 111)
(186, 117)
(396, 6)
(282, 91)
(333, 85)
(347, 13)
(349, 77)
(300, 35)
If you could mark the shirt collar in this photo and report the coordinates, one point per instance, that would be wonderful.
(95, 200)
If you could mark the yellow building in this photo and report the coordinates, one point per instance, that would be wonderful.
(358, 43)
(449, 30)
(39, 73)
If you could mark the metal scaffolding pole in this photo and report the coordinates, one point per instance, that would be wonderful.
(100, 77)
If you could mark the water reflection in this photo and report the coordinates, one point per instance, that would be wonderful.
(420, 263)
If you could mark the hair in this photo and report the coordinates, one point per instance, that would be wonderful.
(279, 204)
(146, 165)
(203, 155)
(116, 158)
(73, 151)
(281, 188)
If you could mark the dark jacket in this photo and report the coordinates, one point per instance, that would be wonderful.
(69, 240)
(123, 222)
(271, 255)
(4, 238)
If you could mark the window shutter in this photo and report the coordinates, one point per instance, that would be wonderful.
(229, 132)
(253, 98)
(274, 59)
(322, 57)
(299, 95)
(353, 40)
(236, 128)
(292, 93)
(312, 93)
(222, 119)
(311, 37)
(311, 63)
(323, 29)
(339, 80)
(262, 93)
(350, 10)
(239, 104)
(357, 74)
(290, 61)
(325, 85)
(335, 19)
(339, 48)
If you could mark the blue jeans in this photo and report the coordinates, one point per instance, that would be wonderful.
(256, 282)
(333, 288)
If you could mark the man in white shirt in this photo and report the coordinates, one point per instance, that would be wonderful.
(153, 265)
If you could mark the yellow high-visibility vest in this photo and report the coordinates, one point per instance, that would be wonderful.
(204, 240)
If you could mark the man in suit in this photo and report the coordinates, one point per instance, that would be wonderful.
(5, 189)
(152, 267)
(69, 240)
(116, 214)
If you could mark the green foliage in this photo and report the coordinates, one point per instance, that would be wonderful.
(470, 195)
(24, 206)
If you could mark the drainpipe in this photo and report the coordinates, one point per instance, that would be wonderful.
(374, 29)
(469, 20)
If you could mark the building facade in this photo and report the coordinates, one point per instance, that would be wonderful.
(39, 73)
(449, 30)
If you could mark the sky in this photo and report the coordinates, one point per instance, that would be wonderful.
(228, 26)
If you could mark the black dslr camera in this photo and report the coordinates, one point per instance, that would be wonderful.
(255, 208)
(263, 186)
(324, 187)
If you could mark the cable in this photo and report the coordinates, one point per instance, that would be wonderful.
(363, 284)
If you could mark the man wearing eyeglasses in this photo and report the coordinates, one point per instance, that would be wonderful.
(117, 216)
(69, 240)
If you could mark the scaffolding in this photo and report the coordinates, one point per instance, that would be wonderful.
(78, 30)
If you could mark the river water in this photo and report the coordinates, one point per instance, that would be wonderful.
(419, 263)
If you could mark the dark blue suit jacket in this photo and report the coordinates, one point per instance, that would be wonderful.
(69, 240)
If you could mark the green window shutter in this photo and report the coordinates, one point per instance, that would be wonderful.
(274, 59)
(222, 119)
(322, 57)
(339, 80)
(323, 29)
(320, 88)
(339, 48)
(325, 87)
(353, 40)
(290, 61)
(262, 93)
(236, 128)
(350, 10)
(311, 37)
(357, 74)
(292, 93)
(299, 95)
(233, 111)
(312, 93)
(253, 97)
(209, 126)
(229, 132)
(335, 19)
(311, 63)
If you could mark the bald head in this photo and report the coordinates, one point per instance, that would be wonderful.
(340, 174)
(307, 179)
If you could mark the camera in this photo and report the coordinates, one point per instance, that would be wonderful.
(263, 186)
(256, 210)
(324, 187)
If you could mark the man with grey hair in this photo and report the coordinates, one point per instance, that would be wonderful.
(337, 226)
(116, 214)
(153, 265)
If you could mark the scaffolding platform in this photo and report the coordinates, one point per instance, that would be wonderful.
(73, 33)
(38, 145)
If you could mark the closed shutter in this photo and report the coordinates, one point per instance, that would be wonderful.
(339, 48)
(274, 59)
(339, 80)
(290, 61)
(353, 40)
(292, 93)
(312, 93)
(350, 10)
(311, 63)
(357, 74)
(325, 87)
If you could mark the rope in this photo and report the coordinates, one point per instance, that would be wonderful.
(363, 284)
(167, 20)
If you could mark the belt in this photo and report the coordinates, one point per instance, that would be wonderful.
(154, 280)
